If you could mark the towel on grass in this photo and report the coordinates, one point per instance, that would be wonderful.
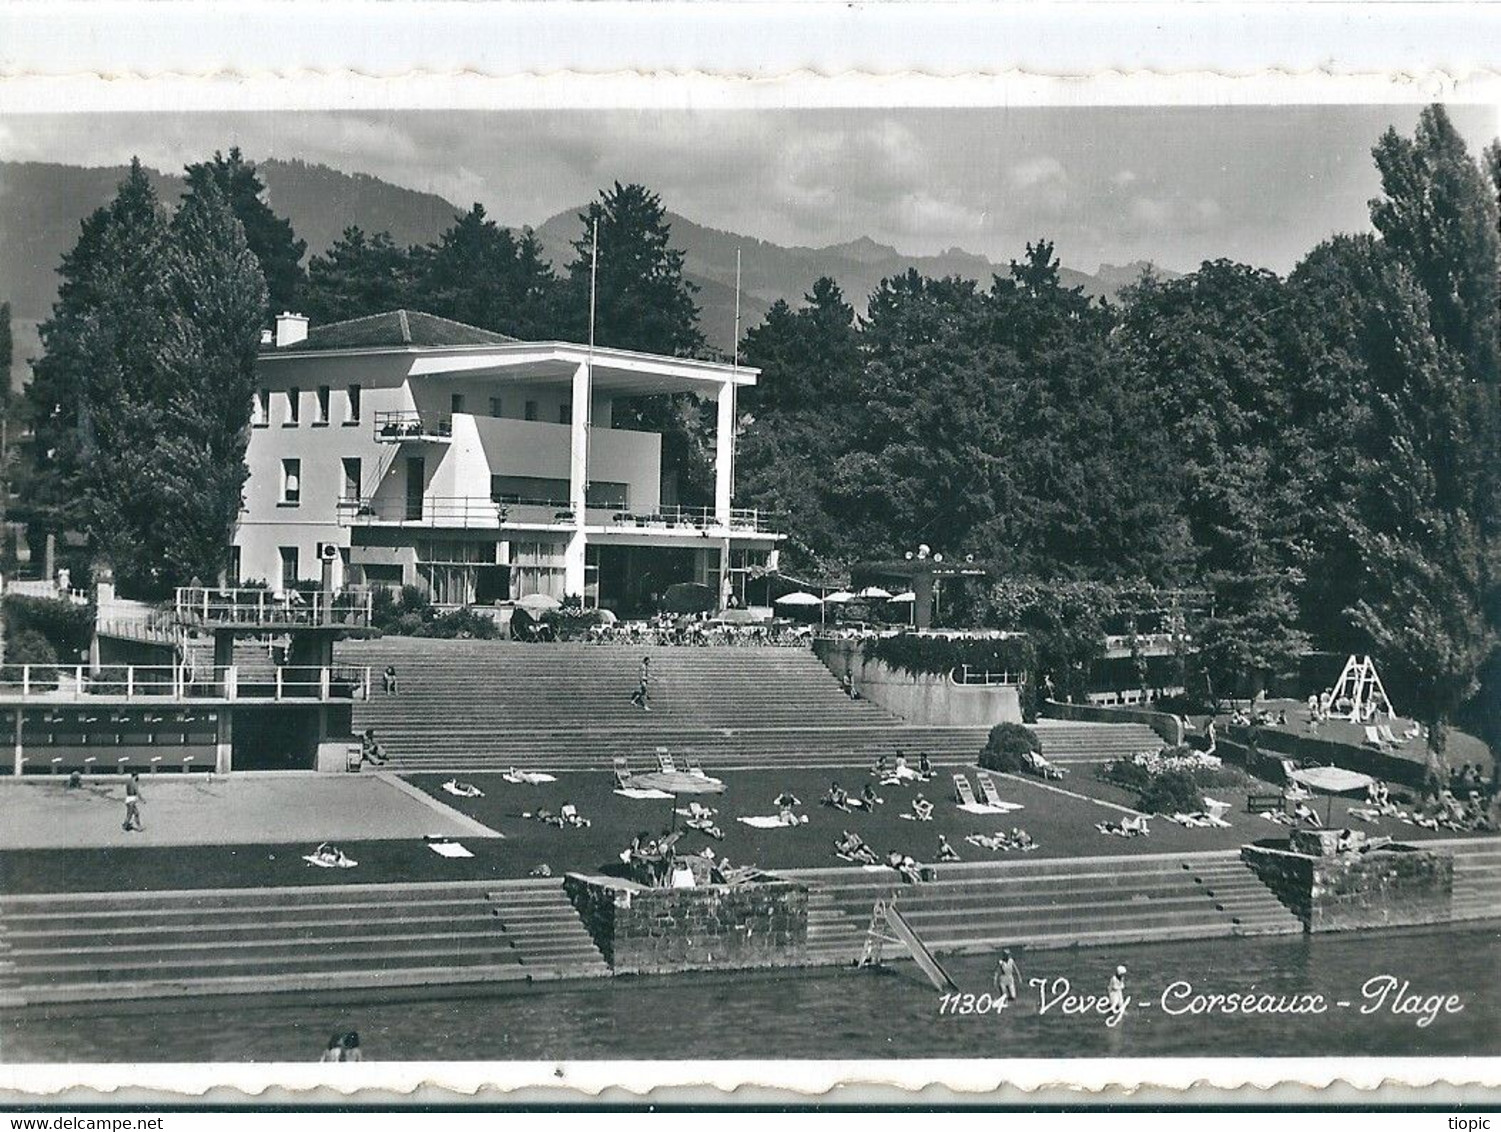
(448, 849)
(632, 792)
(530, 777)
(763, 821)
(346, 863)
(982, 808)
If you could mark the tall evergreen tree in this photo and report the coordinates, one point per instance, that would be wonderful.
(199, 471)
(1426, 562)
(1439, 217)
(642, 302)
(797, 416)
(479, 273)
(270, 236)
(360, 275)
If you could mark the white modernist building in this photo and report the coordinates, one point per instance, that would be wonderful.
(408, 449)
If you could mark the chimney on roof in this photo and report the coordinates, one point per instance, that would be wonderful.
(267, 338)
(290, 328)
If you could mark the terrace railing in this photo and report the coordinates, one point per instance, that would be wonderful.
(290, 609)
(395, 425)
(482, 512)
(52, 683)
(966, 675)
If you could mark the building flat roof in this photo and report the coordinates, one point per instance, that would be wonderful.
(443, 347)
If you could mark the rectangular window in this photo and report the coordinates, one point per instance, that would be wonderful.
(294, 406)
(350, 489)
(565, 413)
(288, 567)
(456, 403)
(291, 482)
(497, 407)
(260, 409)
(353, 416)
(325, 395)
(531, 410)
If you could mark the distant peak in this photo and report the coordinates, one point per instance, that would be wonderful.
(864, 249)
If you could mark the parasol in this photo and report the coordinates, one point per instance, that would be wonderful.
(677, 782)
(874, 593)
(801, 597)
(840, 597)
(1331, 780)
(538, 603)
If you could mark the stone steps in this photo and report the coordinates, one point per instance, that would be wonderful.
(112, 945)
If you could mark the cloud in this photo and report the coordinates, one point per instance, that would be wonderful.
(1037, 171)
(1123, 178)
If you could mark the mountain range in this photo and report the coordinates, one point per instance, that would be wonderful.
(43, 204)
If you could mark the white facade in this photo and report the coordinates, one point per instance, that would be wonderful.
(435, 464)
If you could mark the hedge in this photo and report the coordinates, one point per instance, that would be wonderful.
(66, 626)
(919, 654)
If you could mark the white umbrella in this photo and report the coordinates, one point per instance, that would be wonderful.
(907, 596)
(839, 597)
(538, 603)
(874, 592)
(799, 598)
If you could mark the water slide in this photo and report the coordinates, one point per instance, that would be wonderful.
(918, 949)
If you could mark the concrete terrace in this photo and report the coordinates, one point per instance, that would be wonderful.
(212, 811)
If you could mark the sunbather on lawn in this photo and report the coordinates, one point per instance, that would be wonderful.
(946, 852)
(922, 809)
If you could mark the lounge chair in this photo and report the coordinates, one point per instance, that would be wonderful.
(664, 761)
(987, 789)
(964, 791)
(693, 766)
(622, 773)
(1373, 738)
(1385, 731)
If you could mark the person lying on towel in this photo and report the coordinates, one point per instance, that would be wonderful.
(851, 847)
(463, 789)
(330, 857)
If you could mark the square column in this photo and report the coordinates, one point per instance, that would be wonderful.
(724, 454)
(578, 444)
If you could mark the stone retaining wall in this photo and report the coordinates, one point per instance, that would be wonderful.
(1168, 727)
(1392, 887)
(921, 698)
(652, 931)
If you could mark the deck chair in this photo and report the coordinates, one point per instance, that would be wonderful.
(964, 791)
(693, 767)
(1373, 738)
(622, 773)
(987, 788)
(664, 761)
(1385, 731)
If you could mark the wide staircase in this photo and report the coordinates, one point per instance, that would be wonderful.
(1054, 903)
(98, 946)
(1065, 741)
(1477, 878)
(484, 705)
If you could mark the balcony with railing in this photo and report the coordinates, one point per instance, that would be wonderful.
(180, 683)
(209, 608)
(1120, 645)
(478, 512)
(393, 426)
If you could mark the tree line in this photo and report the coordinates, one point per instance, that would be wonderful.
(1318, 450)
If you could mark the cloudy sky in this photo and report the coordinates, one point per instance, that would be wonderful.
(1172, 185)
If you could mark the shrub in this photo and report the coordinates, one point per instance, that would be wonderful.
(66, 626)
(921, 655)
(29, 647)
(461, 623)
(1008, 746)
(1172, 792)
